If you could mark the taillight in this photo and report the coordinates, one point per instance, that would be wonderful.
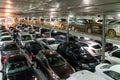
(3, 59)
(30, 57)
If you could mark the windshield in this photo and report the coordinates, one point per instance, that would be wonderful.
(26, 37)
(38, 36)
(11, 47)
(56, 61)
(6, 39)
(105, 67)
(52, 42)
(36, 47)
(96, 46)
(17, 66)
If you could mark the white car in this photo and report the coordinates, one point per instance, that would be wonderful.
(85, 75)
(113, 57)
(51, 42)
(107, 71)
(5, 39)
(92, 47)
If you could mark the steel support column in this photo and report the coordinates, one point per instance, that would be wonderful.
(67, 28)
(103, 39)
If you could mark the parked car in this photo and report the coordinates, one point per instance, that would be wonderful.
(85, 75)
(86, 25)
(77, 56)
(18, 68)
(94, 48)
(52, 42)
(107, 71)
(33, 47)
(8, 48)
(54, 63)
(23, 38)
(112, 28)
(4, 39)
(113, 57)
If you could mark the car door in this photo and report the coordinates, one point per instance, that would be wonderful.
(114, 57)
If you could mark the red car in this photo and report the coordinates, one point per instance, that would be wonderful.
(54, 63)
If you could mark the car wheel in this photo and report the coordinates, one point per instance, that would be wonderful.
(106, 61)
(111, 33)
(89, 30)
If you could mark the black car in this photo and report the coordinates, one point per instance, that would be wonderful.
(33, 47)
(8, 48)
(18, 67)
(77, 56)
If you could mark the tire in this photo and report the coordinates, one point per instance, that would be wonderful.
(89, 30)
(111, 33)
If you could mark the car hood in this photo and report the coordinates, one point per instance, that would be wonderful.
(84, 75)
(64, 71)
(22, 75)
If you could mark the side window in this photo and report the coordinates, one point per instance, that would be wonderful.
(116, 54)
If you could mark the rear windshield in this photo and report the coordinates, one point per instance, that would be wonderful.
(11, 47)
(6, 39)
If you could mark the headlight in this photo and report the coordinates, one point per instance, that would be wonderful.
(55, 77)
(35, 78)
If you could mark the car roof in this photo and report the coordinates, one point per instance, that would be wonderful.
(85, 75)
(50, 53)
(50, 38)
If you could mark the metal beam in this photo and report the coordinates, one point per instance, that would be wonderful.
(103, 39)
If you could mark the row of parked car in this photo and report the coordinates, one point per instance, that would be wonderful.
(24, 57)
